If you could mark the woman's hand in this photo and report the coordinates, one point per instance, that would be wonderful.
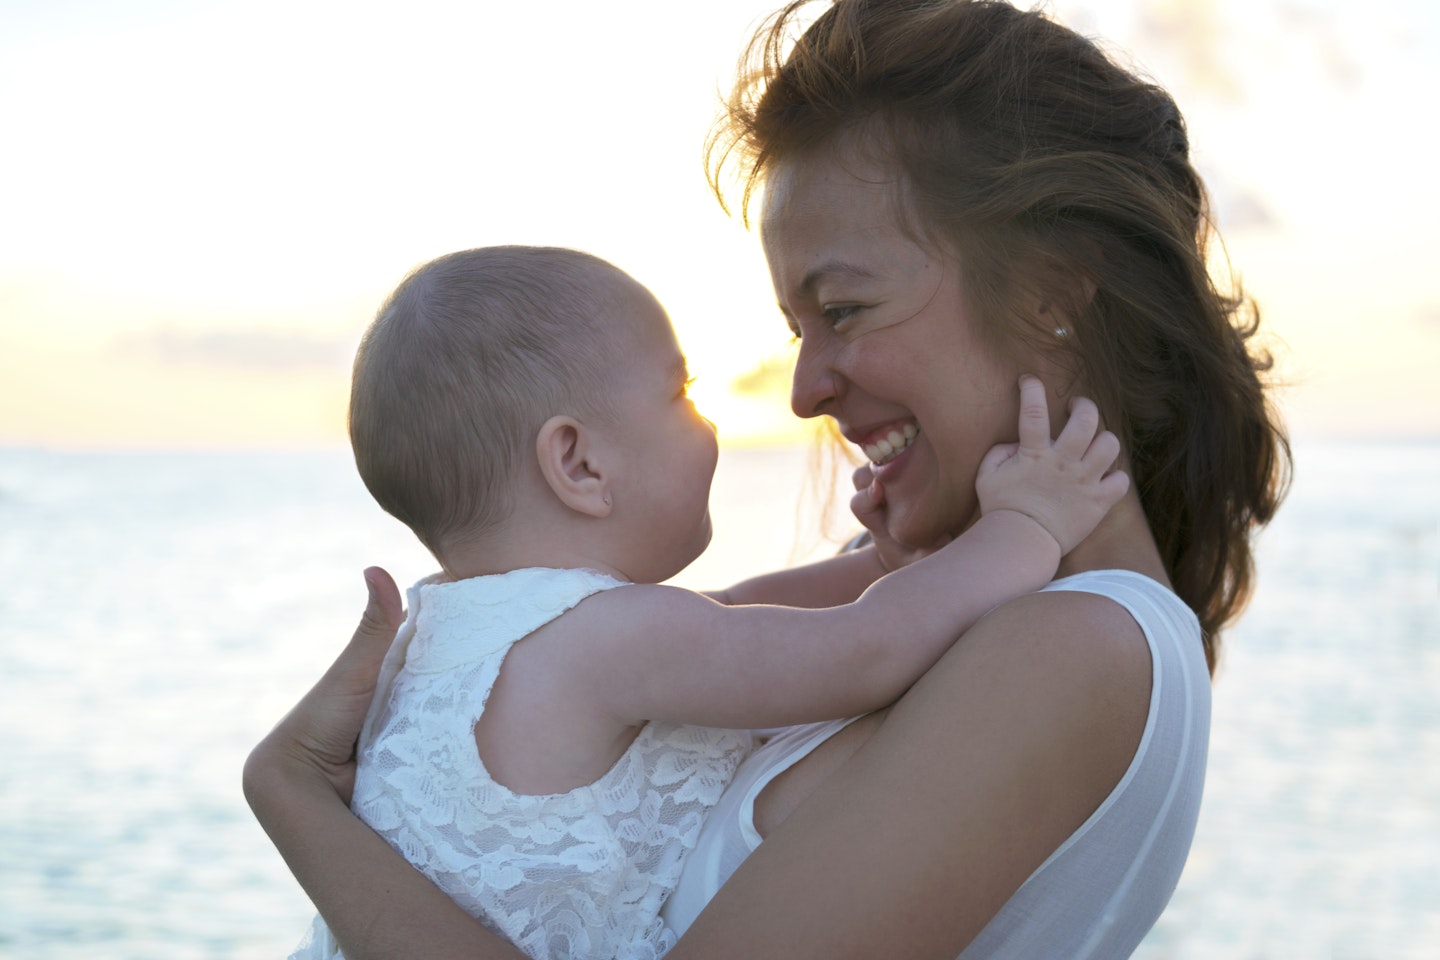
(315, 741)
(298, 781)
(868, 506)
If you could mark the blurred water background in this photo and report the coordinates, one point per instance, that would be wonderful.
(159, 611)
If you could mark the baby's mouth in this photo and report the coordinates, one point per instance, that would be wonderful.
(890, 446)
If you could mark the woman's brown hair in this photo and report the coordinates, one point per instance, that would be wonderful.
(1026, 151)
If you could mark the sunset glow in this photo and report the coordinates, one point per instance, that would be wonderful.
(204, 202)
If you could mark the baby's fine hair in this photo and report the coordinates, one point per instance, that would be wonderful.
(463, 363)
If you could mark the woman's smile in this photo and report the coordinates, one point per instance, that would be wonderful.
(903, 369)
(886, 444)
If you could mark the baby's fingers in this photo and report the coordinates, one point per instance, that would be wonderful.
(868, 505)
(998, 454)
(1103, 452)
(1034, 414)
(1113, 486)
(1079, 431)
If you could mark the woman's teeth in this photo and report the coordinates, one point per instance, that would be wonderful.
(892, 445)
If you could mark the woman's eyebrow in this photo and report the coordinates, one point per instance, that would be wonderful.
(833, 269)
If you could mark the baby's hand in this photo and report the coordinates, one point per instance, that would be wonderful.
(868, 506)
(1067, 486)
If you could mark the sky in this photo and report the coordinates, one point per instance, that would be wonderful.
(202, 202)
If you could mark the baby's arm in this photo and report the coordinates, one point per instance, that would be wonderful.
(683, 658)
(837, 580)
(827, 583)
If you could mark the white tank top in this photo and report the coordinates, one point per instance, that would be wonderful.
(1102, 890)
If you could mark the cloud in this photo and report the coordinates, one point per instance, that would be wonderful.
(1242, 210)
(1337, 62)
(256, 350)
(1232, 52)
(1192, 32)
(770, 377)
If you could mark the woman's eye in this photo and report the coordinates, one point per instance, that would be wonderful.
(838, 314)
(685, 388)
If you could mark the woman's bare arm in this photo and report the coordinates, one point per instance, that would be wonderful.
(376, 904)
(981, 770)
(298, 782)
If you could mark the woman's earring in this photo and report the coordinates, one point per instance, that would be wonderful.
(1061, 333)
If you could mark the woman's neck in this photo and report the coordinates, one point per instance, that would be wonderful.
(1122, 541)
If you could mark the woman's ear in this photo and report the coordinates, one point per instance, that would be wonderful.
(1065, 300)
(1057, 309)
(569, 456)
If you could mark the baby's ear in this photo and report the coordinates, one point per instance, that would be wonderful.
(568, 453)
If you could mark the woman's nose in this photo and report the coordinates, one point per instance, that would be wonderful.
(816, 383)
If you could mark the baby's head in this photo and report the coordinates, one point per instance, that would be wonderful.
(464, 362)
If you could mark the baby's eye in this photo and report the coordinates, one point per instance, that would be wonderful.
(685, 387)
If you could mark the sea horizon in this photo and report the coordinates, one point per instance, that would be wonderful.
(160, 609)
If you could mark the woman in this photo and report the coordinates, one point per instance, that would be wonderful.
(954, 193)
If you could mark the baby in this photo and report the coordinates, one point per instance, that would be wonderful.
(552, 725)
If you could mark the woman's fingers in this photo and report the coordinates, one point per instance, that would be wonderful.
(354, 671)
(381, 618)
(326, 722)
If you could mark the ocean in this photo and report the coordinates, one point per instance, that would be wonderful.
(159, 611)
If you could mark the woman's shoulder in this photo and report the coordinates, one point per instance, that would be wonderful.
(1153, 605)
(994, 759)
(1116, 669)
(1111, 627)
(1077, 631)
(1062, 680)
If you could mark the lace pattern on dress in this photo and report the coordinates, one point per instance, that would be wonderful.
(570, 875)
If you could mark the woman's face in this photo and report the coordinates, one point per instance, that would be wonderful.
(888, 347)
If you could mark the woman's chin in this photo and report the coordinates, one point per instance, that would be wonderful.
(917, 527)
(912, 532)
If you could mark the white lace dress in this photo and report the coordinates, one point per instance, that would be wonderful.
(571, 875)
